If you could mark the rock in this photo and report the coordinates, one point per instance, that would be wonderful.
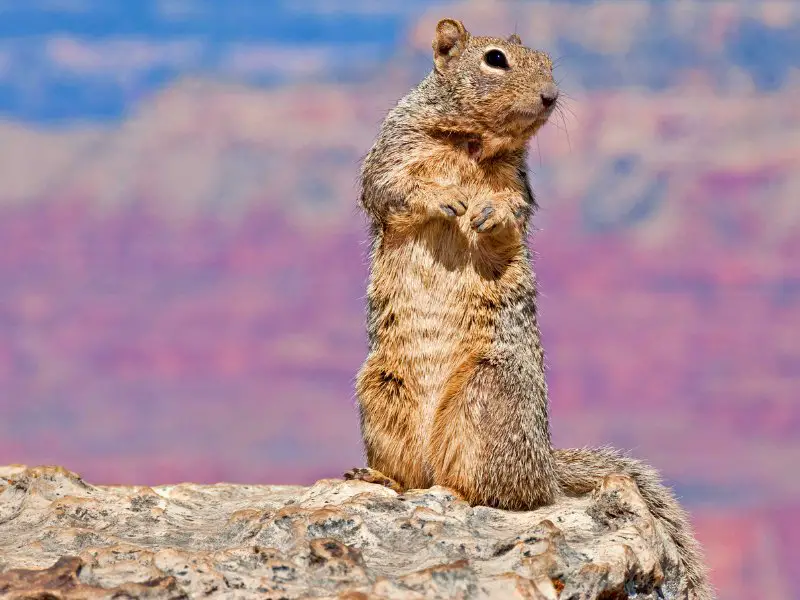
(61, 538)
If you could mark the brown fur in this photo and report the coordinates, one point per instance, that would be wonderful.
(453, 391)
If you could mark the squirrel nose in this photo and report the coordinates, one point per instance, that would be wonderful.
(549, 95)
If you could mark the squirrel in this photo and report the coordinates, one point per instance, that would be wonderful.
(453, 390)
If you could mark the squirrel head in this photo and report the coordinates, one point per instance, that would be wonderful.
(497, 84)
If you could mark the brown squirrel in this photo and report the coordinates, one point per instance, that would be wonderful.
(453, 391)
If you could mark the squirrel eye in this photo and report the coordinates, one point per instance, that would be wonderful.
(495, 58)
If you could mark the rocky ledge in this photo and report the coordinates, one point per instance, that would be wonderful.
(63, 538)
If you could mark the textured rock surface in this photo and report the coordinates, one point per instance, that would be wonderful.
(63, 538)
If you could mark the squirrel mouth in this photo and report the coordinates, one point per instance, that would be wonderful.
(532, 115)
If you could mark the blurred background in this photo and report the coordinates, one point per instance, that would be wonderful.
(183, 267)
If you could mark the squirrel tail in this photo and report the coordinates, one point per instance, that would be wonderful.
(580, 470)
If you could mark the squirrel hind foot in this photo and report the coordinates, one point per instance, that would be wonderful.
(372, 476)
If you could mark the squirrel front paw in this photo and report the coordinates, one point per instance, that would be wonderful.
(455, 204)
(438, 201)
(490, 215)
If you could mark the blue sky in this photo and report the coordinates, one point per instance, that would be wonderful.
(205, 37)
(210, 20)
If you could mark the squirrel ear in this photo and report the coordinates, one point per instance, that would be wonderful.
(515, 39)
(451, 38)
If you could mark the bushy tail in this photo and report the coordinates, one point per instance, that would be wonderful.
(580, 470)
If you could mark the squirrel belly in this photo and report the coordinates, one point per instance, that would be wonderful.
(453, 337)
(453, 390)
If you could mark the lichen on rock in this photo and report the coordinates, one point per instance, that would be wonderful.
(63, 538)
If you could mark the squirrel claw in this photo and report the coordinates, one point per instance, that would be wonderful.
(456, 208)
(483, 222)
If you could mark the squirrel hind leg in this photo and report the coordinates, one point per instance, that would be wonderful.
(483, 453)
(373, 476)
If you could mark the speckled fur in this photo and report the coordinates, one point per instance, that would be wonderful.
(453, 391)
